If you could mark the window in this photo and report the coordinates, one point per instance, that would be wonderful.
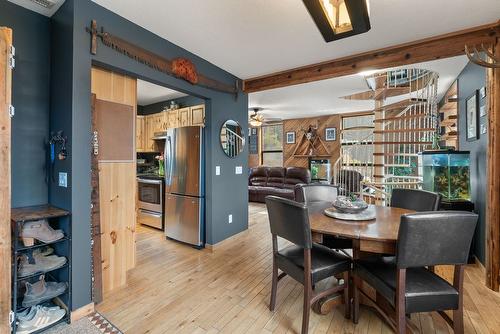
(357, 129)
(272, 145)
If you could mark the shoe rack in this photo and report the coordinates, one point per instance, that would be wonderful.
(59, 220)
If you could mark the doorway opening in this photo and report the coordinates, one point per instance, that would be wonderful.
(147, 182)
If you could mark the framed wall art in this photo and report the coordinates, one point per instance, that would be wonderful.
(472, 119)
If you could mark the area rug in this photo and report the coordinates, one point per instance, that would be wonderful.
(94, 323)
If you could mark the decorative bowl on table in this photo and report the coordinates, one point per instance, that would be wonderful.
(346, 204)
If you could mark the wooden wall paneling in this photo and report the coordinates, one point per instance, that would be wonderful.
(118, 188)
(493, 173)
(332, 121)
(432, 48)
(5, 134)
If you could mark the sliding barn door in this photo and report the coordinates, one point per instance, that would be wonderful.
(5, 251)
(114, 115)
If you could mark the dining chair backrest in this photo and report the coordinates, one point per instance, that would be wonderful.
(311, 193)
(289, 220)
(434, 238)
(415, 199)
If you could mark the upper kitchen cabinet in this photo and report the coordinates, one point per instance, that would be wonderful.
(184, 116)
(197, 114)
(173, 119)
(140, 135)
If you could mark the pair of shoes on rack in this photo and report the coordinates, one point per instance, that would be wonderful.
(38, 317)
(43, 262)
(41, 291)
(39, 230)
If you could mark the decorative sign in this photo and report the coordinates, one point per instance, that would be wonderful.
(180, 67)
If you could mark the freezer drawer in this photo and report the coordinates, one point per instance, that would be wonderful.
(182, 218)
(150, 218)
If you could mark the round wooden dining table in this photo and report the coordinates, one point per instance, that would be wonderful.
(379, 236)
(370, 236)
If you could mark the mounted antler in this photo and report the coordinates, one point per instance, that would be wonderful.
(490, 60)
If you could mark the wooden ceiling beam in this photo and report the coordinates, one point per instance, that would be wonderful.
(437, 47)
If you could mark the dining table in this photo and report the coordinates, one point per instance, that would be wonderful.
(376, 236)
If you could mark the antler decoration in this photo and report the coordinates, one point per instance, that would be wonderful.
(475, 56)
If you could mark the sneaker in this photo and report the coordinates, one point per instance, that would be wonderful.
(39, 317)
(41, 291)
(39, 230)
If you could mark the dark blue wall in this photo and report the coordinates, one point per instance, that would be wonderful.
(30, 97)
(471, 78)
(185, 101)
(71, 112)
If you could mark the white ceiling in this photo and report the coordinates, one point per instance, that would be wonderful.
(28, 4)
(148, 93)
(323, 97)
(249, 38)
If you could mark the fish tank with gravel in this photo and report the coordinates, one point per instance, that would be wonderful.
(447, 173)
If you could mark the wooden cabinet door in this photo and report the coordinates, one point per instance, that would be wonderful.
(184, 117)
(140, 134)
(173, 119)
(164, 120)
(198, 115)
(150, 130)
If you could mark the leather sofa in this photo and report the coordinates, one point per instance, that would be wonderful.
(277, 181)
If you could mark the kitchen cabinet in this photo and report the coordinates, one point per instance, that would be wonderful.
(148, 125)
(140, 134)
(184, 116)
(197, 115)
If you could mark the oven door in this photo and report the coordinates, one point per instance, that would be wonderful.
(150, 195)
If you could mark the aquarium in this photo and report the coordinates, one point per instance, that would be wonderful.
(320, 170)
(447, 173)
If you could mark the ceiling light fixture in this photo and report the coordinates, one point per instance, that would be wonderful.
(338, 19)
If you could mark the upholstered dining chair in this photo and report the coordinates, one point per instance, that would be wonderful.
(424, 239)
(306, 262)
(415, 199)
(317, 194)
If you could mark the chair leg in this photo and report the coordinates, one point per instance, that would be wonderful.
(355, 311)
(347, 297)
(458, 321)
(274, 286)
(306, 310)
(400, 320)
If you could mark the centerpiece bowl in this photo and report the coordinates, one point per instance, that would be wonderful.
(346, 204)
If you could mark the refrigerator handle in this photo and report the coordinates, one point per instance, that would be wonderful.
(168, 155)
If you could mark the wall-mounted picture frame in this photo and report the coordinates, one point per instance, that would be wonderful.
(482, 110)
(482, 92)
(472, 119)
(290, 137)
(331, 134)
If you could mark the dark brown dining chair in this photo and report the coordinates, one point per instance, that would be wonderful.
(306, 262)
(424, 239)
(322, 195)
(415, 199)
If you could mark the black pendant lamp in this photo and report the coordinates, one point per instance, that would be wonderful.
(338, 19)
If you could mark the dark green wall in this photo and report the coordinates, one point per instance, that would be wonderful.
(471, 78)
(30, 97)
(185, 101)
(71, 112)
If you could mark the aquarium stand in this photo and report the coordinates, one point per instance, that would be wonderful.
(459, 205)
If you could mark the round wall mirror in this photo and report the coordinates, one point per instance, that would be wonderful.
(232, 138)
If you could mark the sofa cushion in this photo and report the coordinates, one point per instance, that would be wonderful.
(258, 176)
(296, 175)
(276, 177)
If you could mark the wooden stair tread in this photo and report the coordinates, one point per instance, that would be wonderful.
(400, 105)
(402, 142)
(380, 120)
(404, 130)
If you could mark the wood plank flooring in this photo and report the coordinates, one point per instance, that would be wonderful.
(177, 289)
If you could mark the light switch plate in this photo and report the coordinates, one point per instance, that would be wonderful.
(63, 179)
(239, 170)
(230, 219)
(217, 170)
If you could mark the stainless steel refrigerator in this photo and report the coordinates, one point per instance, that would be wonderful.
(184, 185)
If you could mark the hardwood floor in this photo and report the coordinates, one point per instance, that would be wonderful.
(177, 289)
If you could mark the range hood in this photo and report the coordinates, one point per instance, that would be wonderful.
(160, 135)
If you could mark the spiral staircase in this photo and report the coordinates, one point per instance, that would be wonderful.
(405, 122)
